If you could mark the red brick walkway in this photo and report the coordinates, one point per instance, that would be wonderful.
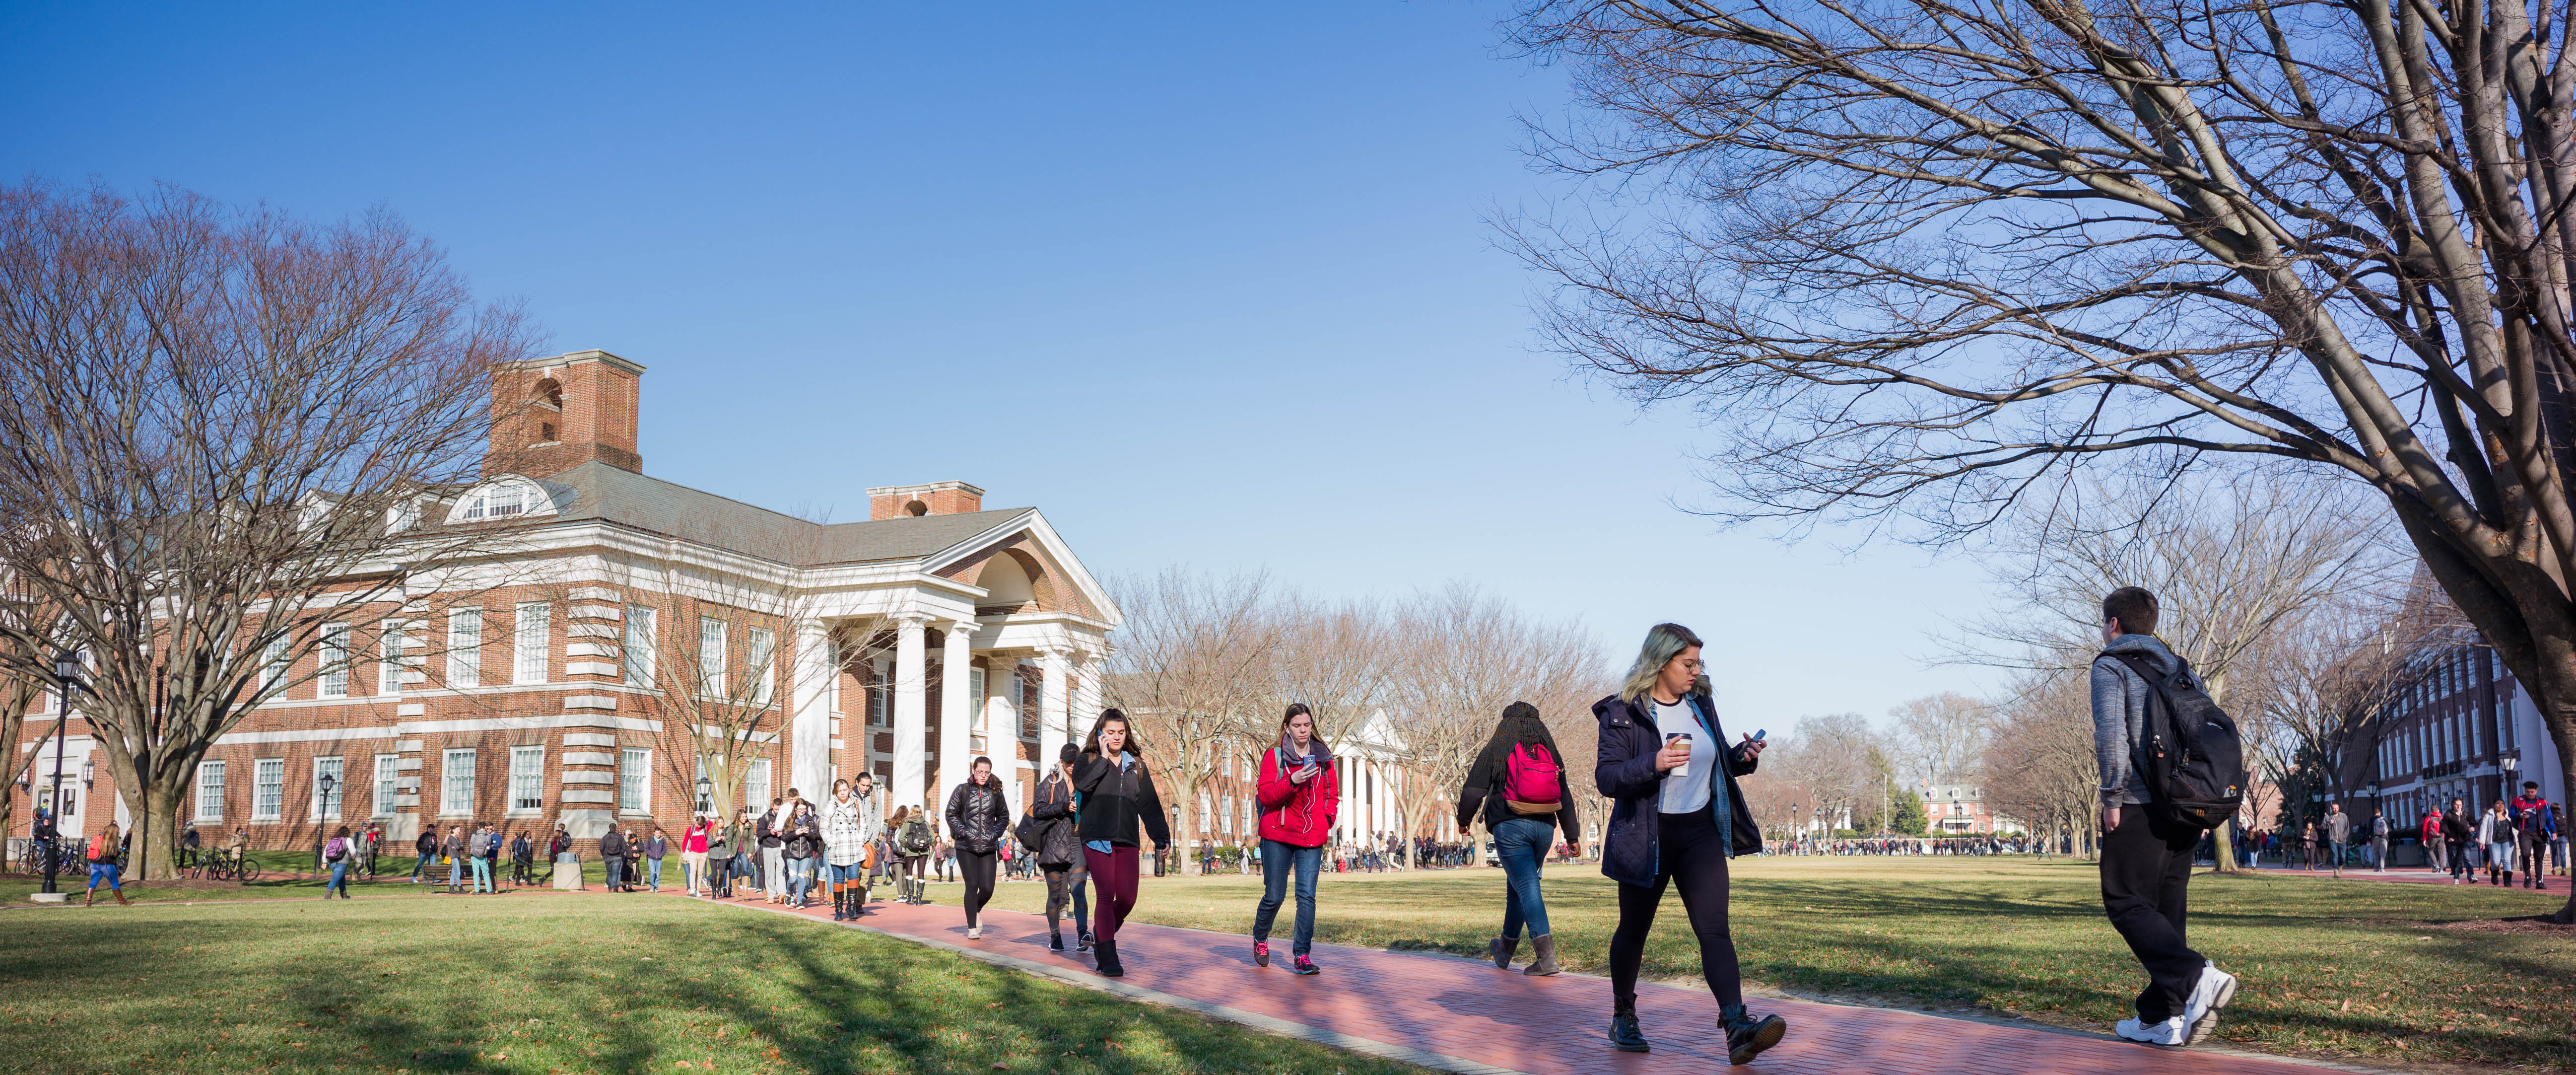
(1466, 1016)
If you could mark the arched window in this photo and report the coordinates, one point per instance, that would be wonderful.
(916, 508)
(502, 498)
(550, 393)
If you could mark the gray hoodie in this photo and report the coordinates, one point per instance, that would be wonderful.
(2120, 715)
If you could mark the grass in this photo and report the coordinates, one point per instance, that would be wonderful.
(564, 983)
(2348, 969)
(275, 884)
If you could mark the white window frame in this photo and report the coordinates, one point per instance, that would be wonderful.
(527, 781)
(762, 653)
(531, 632)
(465, 647)
(634, 781)
(711, 659)
(210, 791)
(391, 647)
(268, 789)
(274, 664)
(388, 783)
(880, 693)
(331, 679)
(642, 648)
(455, 789)
(339, 773)
(756, 776)
(975, 727)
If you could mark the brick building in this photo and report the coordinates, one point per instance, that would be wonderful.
(534, 687)
(2457, 725)
(1960, 810)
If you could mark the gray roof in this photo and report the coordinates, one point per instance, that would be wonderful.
(601, 493)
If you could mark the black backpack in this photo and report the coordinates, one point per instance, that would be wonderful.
(2189, 754)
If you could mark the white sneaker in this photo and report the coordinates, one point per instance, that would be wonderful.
(974, 932)
(2216, 990)
(2170, 1032)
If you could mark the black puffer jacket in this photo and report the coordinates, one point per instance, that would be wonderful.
(1058, 843)
(978, 815)
(1115, 801)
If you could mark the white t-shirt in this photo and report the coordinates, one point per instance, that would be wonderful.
(1685, 790)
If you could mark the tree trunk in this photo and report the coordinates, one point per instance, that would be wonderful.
(2561, 717)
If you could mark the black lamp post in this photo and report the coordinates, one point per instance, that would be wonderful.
(706, 787)
(67, 673)
(322, 833)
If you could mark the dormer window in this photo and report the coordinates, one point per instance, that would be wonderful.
(502, 499)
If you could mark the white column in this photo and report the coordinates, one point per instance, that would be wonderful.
(1086, 697)
(1053, 728)
(956, 707)
(911, 716)
(809, 739)
(1001, 719)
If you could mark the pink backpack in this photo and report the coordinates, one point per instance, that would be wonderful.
(1531, 780)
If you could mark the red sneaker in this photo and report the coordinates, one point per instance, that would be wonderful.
(1261, 953)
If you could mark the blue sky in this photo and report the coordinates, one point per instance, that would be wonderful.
(1208, 286)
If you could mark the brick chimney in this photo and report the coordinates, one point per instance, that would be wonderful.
(552, 414)
(936, 498)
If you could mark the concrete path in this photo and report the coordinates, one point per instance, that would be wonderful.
(1466, 1016)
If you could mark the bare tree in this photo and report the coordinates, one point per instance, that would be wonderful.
(2231, 563)
(1337, 657)
(1470, 655)
(2040, 768)
(1943, 736)
(1836, 758)
(2319, 685)
(215, 427)
(1192, 656)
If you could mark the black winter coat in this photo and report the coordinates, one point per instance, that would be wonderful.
(1058, 843)
(978, 815)
(612, 845)
(1625, 771)
(1115, 802)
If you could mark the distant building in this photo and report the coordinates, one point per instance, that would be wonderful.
(1960, 810)
(2459, 726)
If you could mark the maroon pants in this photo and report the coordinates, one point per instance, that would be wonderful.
(1114, 876)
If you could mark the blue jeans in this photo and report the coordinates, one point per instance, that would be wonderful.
(800, 876)
(339, 879)
(653, 870)
(456, 872)
(1277, 859)
(419, 868)
(1522, 843)
(616, 865)
(482, 874)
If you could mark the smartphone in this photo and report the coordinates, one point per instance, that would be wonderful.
(1757, 736)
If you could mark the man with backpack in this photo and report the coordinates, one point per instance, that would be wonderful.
(2536, 826)
(2144, 735)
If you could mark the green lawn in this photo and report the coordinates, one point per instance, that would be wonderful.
(2331, 969)
(568, 983)
(275, 884)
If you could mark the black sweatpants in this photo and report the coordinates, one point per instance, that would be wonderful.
(2146, 864)
(978, 868)
(1691, 855)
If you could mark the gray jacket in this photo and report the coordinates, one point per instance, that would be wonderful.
(2120, 715)
(2339, 828)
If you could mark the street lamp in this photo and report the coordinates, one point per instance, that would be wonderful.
(321, 835)
(706, 788)
(67, 675)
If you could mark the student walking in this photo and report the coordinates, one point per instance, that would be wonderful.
(1059, 852)
(1519, 786)
(2378, 842)
(1677, 819)
(612, 850)
(427, 847)
(2535, 829)
(336, 853)
(851, 822)
(453, 849)
(2430, 831)
(2496, 835)
(2147, 855)
(978, 816)
(693, 855)
(2338, 834)
(2459, 833)
(799, 849)
(773, 860)
(656, 847)
(1118, 794)
(724, 842)
(105, 850)
(478, 851)
(1299, 793)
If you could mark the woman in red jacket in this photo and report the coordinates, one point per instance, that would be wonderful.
(1299, 794)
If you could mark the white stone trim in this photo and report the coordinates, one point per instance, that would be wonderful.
(589, 758)
(584, 795)
(314, 735)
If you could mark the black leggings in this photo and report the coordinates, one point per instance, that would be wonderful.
(978, 868)
(1693, 855)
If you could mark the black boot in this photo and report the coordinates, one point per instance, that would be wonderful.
(1107, 953)
(1055, 940)
(1624, 1035)
(1747, 1036)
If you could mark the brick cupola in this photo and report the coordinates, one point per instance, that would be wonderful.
(552, 414)
(936, 498)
